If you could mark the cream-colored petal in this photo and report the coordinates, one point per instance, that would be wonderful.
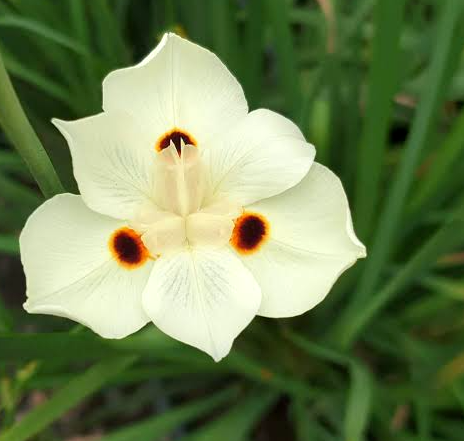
(208, 231)
(166, 236)
(70, 271)
(311, 242)
(179, 180)
(179, 85)
(113, 162)
(202, 298)
(264, 155)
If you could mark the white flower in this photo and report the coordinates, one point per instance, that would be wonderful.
(194, 214)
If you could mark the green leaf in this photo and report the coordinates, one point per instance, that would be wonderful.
(384, 73)
(445, 239)
(253, 75)
(250, 368)
(18, 129)
(278, 13)
(32, 76)
(79, 346)
(307, 428)
(359, 403)
(65, 399)
(387, 228)
(11, 162)
(108, 33)
(224, 32)
(44, 31)
(14, 191)
(161, 425)
(431, 185)
(9, 244)
(237, 423)
(317, 350)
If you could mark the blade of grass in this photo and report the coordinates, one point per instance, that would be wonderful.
(16, 192)
(62, 53)
(447, 287)
(108, 35)
(44, 31)
(383, 81)
(237, 423)
(157, 370)
(9, 244)
(316, 350)
(6, 321)
(196, 20)
(224, 35)
(49, 13)
(278, 13)
(160, 425)
(447, 155)
(253, 74)
(358, 19)
(333, 78)
(32, 76)
(66, 398)
(306, 429)
(422, 412)
(447, 237)
(81, 26)
(85, 346)
(11, 162)
(248, 367)
(389, 222)
(18, 129)
(358, 407)
(458, 391)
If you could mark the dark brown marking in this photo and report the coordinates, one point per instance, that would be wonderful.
(127, 248)
(176, 136)
(250, 232)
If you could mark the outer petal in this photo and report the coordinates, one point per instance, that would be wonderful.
(202, 298)
(180, 84)
(311, 243)
(71, 273)
(113, 162)
(262, 156)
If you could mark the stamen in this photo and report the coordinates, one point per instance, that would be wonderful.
(176, 136)
(127, 248)
(250, 232)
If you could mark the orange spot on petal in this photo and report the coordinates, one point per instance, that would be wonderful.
(127, 248)
(176, 136)
(250, 232)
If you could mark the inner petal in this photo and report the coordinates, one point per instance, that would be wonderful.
(212, 226)
(166, 236)
(208, 231)
(181, 180)
(162, 232)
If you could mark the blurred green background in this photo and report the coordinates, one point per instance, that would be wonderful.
(378, 87)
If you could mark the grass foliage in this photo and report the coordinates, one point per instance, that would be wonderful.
(378, 87)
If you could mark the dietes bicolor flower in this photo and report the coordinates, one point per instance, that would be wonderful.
(194, 213)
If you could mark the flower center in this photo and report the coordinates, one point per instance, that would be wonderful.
(176, 137)
(127, 248)
(178, 218)
(250, 232)
(180, 179)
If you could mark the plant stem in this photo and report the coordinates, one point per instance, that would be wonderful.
(20, 132)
